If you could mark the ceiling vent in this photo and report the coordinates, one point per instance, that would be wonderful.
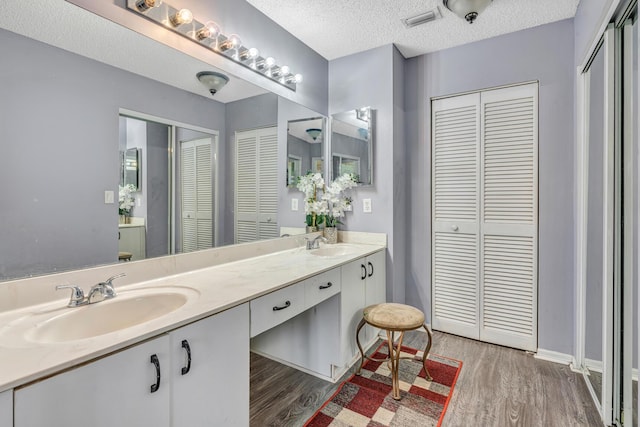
(423, 18)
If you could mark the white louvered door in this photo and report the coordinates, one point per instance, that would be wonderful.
(196, 192)
(484, 210)
(455, 212)
(509, 216)
(256, 213)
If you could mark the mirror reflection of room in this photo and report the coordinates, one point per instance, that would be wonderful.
(305, 148)
(351, 144)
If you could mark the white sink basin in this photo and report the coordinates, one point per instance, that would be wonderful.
(340, 249)
(127, 309)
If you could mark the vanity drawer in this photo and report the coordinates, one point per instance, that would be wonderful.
(321, 287)
(274, 308)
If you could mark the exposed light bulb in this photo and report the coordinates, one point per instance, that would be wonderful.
(284, 70)
(144, 5)
(249, 54)
(297, 78)
(270, 62)
(183, 16)
(209, 31)
(232, 42)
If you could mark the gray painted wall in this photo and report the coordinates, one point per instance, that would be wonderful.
(542, 53)
(353, 147)
(367, 79)
(157, 185)
(60, 138)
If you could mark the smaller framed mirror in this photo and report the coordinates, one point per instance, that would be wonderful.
(131, 167)
(305, 148)
(352, 144)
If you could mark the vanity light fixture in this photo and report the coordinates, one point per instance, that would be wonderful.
(467, 9)
(210, 36)
(183, 16)
(144, 5)
(314, 133)
(212, 81)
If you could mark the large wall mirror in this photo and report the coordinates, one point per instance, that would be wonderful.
(352, 144)
(305, 147)
(133, 130)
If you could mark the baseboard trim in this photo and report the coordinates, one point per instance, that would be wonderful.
(555, 357)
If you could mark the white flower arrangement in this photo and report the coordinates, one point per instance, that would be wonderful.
(335, 204)
(309, 184)
(126, 199)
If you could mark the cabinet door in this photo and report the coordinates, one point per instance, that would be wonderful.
(132, 239)
(352, 299)
(6, 408)
(375, 288)
(112, 391)
(213, 390)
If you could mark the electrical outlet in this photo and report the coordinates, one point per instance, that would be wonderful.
(108, 197)
(366, 205)
(294, 205)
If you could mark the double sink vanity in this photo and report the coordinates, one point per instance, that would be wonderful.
(172, 347)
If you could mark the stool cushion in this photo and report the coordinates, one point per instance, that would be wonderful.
(393, 317)
(124, 255)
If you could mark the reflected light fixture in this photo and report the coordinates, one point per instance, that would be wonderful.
(314, 133)
(466, 9)
(422, 18)
(212, 81)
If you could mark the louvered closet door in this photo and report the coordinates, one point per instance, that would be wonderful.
(508, 309)
(196, 172)
(256, 215)
(455, 134)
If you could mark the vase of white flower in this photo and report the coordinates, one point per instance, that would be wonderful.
(310, 184)
(127, 201)
(335, 204)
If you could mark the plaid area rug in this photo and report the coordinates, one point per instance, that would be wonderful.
(365, 400)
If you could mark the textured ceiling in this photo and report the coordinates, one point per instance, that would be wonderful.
(336, 28)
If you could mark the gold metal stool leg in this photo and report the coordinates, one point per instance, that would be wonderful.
(426, 353)
(360, 325)
(394, 358)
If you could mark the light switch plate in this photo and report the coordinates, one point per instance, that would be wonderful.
(366, 205)
(108, 197)
(294, 204)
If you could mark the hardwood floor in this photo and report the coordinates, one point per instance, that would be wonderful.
(497, 386)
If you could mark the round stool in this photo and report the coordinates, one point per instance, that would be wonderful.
(124, 256)
(394, 318)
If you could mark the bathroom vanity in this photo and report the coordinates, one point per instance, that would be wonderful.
(190, 363)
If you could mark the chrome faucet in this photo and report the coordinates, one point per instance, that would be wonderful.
(314, 243)
(100, 292)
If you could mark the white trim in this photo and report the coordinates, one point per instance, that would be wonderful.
(608, 225)
(152, 118)
(593, 365)
(602, 26)
(555, 357)
(582, 171)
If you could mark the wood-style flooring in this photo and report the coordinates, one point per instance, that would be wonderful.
(497, 386)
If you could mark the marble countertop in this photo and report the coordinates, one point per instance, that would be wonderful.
(217, 288)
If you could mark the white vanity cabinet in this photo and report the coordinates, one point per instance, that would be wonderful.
(112, 391)
(132, 239)
(144, 385)
(6, 408)
(363, 284)
(213, 387)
